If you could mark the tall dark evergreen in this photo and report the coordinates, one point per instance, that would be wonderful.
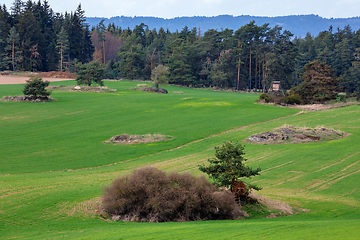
(131, 56)
(77, 35)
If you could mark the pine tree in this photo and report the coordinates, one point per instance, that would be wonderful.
(30, 33)
(2, 50)
(132, 58)
(319, 84)
(36, 87)
(228, 166)
(62, 45)
(101, 36)
(90, 73)
(14, 55)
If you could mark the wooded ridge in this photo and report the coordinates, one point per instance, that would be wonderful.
(299, 25)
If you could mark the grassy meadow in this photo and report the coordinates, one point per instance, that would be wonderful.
(54, 164)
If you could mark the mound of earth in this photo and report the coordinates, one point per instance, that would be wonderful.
(133, 139)
(151, 89)
(26, 99)
(289, 134)
(276, 208)
(81, 89)
(54, 74)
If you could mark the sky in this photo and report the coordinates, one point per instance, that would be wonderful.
(180, 8)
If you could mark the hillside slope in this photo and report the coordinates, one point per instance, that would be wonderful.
(321, 177)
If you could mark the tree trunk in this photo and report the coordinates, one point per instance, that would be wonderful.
(61, 56)
(264, 73)
(256, 63)
(13, 56)
(238, 76)
(250, 70)
(104, 49)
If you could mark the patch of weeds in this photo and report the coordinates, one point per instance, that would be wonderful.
(255, 210)
(133, 139)
(81, 89)
(150, 89)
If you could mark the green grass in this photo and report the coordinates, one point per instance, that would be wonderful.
(54, 164)
(68, 134)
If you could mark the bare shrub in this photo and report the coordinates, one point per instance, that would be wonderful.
(149, 194)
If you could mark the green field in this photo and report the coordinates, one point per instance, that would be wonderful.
(54, 164)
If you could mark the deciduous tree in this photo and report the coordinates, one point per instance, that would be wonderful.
(160, 75)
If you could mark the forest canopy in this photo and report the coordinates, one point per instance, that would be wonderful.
(35, 38)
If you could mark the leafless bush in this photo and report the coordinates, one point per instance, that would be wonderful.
(152, 195)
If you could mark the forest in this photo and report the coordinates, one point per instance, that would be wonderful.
(35, 38)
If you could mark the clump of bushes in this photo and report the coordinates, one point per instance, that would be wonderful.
(289, 98)
(151, 89)
(271, 97)
(265, 98)
(292, 99)
(151, 195)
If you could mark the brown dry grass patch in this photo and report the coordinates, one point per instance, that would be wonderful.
(134, 139)
(290, 134)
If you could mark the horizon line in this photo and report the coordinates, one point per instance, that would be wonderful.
(292, 15)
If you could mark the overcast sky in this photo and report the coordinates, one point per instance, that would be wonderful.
(179, 8)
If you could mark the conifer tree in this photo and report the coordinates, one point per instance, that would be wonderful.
(319, 83)
(101, 35)
(36, 87)
(90, 73)
(229, 166)
(62, 45)
(12, 48)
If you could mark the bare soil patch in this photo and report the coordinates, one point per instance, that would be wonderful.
(320, 107)
(134, 139)
(289, 134)
(81, 89)
(55, 74)
(314, 107)
(21, 79)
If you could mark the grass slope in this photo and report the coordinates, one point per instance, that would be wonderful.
(68, 134)
(41, 198)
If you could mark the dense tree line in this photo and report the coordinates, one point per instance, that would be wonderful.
(34, 38)
(339, 49)
(240, 59)
(248, 58)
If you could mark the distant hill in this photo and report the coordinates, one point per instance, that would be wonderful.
(299, 25)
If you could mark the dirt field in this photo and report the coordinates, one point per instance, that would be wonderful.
(13, 79)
